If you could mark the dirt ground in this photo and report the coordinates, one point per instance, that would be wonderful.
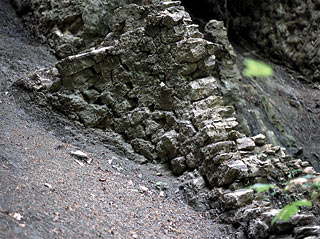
(47, 193)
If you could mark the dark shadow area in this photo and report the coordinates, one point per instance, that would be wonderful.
(238, 16)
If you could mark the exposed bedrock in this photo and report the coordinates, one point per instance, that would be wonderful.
(71, 26)
(68, 26)
(287, 30)
(169, 93)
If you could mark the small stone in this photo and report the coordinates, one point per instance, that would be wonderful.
(305, 164)
(162, 186)
(79, 154)
(168, 145)
(143, 188)
(16, 216)
(246, 144)
(259, 139)
(306, 231)
(48, 185)
(237, 198)
(309, 170)
(134, 234)
(178, 165)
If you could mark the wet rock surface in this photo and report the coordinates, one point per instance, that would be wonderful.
(162, 93)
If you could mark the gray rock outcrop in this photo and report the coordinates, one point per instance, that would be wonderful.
(159, 85)
(68, 26)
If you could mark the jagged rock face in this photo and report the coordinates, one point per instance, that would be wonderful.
(287, 30)
(150, 81)
(68, 26)
(159, 84)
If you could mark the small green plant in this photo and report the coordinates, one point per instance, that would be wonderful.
(256, 68)
(261, 187)
(289, 210)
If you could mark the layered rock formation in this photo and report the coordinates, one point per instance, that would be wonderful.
(68, 26)
(167, 92)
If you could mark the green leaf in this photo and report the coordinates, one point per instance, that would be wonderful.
(285, 214)
(314, 195)
(256, 68)
(260, 187)
(316, 184)
(300, 203)
(289, 210)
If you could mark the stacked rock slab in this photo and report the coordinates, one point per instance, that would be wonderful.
(156, 82)
(68, 26)
(152, 83)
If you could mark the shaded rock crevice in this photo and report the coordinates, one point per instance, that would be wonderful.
(287, 31)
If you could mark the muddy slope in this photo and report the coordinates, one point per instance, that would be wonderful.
(47, 193)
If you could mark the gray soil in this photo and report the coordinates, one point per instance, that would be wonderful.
(47, 193)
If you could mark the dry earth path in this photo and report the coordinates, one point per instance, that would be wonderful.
(47, 193)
